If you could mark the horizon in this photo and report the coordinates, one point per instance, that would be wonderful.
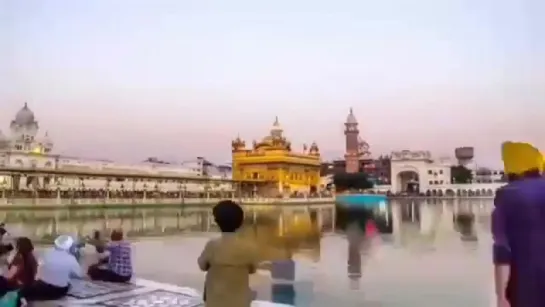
(127, 80)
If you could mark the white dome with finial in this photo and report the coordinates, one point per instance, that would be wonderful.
(351, 119)
(276, 128)
(47, 140)
(25, 116)
(276, 124)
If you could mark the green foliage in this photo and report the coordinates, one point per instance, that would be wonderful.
(461, 174)
(351, 181)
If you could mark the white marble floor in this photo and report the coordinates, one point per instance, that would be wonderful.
(140, 293)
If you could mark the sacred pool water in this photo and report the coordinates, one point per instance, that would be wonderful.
(429, 253)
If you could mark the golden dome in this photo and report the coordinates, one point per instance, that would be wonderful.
(275, 140)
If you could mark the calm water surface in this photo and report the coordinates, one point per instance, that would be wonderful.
(427, 260)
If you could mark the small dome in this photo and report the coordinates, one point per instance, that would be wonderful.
(46, 137)
(47, 141)
(25, 116)
(351, 119)
(276, 130)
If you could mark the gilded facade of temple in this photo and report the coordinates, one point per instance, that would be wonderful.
(271, 168)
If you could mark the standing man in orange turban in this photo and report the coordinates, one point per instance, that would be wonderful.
(518, 229)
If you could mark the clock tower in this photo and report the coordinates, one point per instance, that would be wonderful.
(352, 154)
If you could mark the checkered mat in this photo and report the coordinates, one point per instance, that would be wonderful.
(158, 298)
(83, 289)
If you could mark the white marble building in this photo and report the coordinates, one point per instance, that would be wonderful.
(487, 175)
(433, 176)
(24, 147)
(419, 167)
(23, 136)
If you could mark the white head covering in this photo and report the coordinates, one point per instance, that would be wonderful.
(64, 242)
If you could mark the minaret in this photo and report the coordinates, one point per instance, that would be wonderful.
(351, 132)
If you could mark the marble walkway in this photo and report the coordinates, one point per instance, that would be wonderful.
(139, 293)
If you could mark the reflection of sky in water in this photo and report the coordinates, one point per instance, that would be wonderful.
(423, 263)
(389, 274)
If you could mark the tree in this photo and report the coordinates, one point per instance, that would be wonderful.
(351, 181)
(461, 174)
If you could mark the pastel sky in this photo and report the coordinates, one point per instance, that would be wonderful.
(128, 79)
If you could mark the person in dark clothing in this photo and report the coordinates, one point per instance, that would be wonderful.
(21, 270)
(517, 225)
(100, 246)
(4, 248)
(511, 283)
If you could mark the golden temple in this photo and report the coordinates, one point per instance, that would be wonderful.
(272, 168)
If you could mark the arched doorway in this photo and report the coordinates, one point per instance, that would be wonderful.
(408, 181)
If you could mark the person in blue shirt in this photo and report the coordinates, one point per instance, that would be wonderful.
(57, 267)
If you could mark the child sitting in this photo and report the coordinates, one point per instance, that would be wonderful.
(228, 260)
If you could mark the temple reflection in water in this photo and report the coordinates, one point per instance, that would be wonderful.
(417, 218)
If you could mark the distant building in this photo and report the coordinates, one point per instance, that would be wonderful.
(417, 171)
(24, 146)
(486, 175)
(358, 157)
(272, 167)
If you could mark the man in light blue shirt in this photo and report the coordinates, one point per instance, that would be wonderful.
(56, 268)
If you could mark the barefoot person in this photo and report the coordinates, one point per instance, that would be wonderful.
(518, 226)
(228, 260)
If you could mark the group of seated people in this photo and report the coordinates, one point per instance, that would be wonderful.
(49, 277)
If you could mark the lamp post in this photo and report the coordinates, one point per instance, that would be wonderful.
(3, 185)
(184, 192)
(180, 197)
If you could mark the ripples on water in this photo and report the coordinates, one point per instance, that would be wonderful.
(434, 253)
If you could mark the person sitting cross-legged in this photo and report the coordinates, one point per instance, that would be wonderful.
(56, 269)
(119, 265)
